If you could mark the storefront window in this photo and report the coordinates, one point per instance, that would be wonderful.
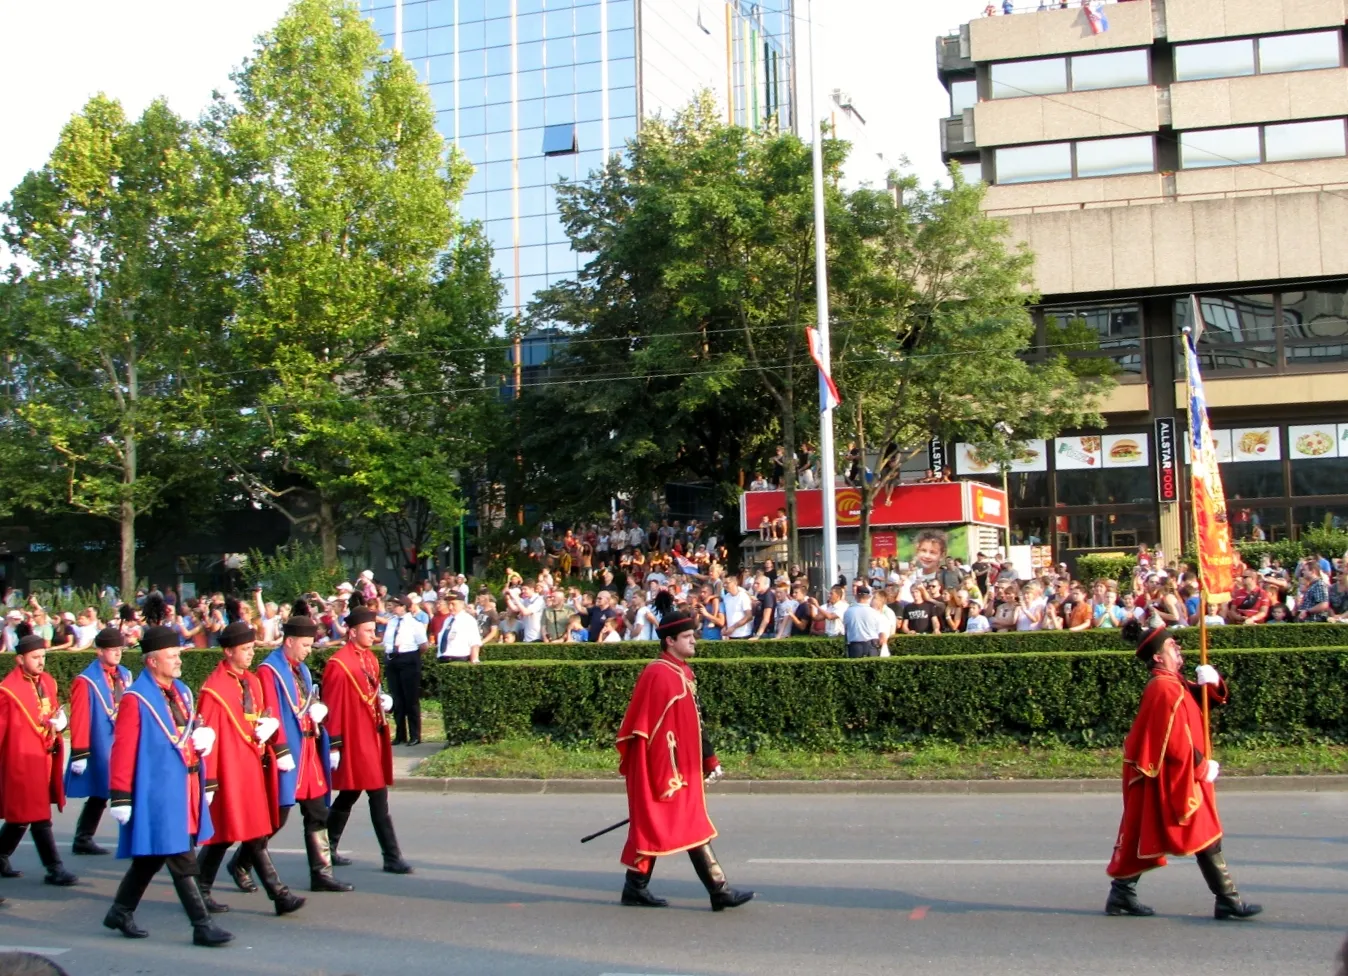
(1319, 517)
(1120, 486)
(1028, 530)
(1253, 479)
(1122, 530)
(1027, 489)
(1320, 476)
(1256, 524)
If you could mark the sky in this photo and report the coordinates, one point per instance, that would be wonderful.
(58, 55)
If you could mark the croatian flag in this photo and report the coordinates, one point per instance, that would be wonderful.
(686, 566)
(1096, 15)
(828, 392)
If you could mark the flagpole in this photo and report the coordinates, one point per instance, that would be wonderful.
(827, 477)
(1193, 515)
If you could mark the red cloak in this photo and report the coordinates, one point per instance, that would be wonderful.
(32, 756)
(241, 810)
(310, 781)
(660, 743)
(356, 724)
(1168, 808)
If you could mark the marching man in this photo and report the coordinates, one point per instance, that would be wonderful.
(95, 696)
(1169, 804)
(664, 758)
(158, 789)
(232, 703)
(361, 753)
(32, 757)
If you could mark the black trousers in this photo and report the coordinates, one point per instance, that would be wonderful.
(43, 840)
(143, 870)
(404, 687)
(314, 813)
(90, 816)
(862, 649)
(379, 820)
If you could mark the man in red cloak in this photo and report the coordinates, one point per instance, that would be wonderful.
(32, 758)
(1169, 804)
(665, 758)
(242, 813)
(361, 754)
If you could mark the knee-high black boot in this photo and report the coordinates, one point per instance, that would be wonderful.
(1123, 898)
(636, 894)
(337, 819)
(319, 850)
(713, 878)
(208, 861)
(383, 832)
(1228, 905)
(45, 842)
(87, 826)
(204, 930)
(283, 899)
(10, 835)
(121, 916)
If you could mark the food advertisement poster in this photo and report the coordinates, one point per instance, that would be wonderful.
(1077, 453)
(1255, 444)
(969, 461)
(1125, 451)
(1221, 440)
(1313, 441)
(1033, 457)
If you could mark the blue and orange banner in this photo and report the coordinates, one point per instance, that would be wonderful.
(1212, 532)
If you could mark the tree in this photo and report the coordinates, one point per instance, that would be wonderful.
(342, 192)
(938, 342)
(111, 310)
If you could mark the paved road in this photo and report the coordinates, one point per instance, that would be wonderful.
(1003, 885)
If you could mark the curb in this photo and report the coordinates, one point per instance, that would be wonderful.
(877, 787)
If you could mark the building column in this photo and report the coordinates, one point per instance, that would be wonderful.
(1171, 535)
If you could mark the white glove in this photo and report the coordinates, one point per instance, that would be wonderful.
(210, 797)
(265, 728)
(58, 722)
(1214, 770)
(1206, 674)
(318, 712)
(715, 775)
(386, 702)
(78, 766)
(334, 759)
(204, 739)
(286, 763)
(121, 814)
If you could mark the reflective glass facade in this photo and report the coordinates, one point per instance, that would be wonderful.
(535, 91)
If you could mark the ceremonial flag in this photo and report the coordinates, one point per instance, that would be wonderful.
(828, 393)
(1096, 15)
(1216, 555)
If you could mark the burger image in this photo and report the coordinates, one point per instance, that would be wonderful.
(1125, 450)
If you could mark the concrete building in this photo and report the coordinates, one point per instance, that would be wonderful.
(1193, 147)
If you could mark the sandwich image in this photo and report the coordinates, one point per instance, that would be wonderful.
(1125, 449)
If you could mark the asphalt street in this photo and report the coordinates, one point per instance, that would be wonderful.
(1006, 885)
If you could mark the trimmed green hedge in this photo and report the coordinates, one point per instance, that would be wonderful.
(1043, 641)
(879, 703)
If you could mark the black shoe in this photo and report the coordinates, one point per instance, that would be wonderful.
(729, 898)
(636, 894)
(213, 906)
(394, 865)
(241, 873)
(400, 741)
(326, 882)
(6, 871)
(60, 877)
(414, 742)
(123, 920)
(1123, 899)
(85, 845)
(286, 901)
(340, 860)
(209, 934)
(1235, 908)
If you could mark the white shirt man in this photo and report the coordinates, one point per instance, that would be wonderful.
(529, 610)
(835, 611)
(863, 626)
(403, 634)
(636, 538)
(738, 607)
(460, 638)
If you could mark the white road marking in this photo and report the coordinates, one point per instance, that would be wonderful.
(39, 950)
(995, 862)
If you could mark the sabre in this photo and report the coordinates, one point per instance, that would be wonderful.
(711, 780)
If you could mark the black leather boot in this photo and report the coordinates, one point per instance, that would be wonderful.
(283, 899)
(122, 919)
(336, 825)
(87, 826)
(1228, 905)
(45, 842)
(10, 835)
(1123, 898)
(388, 843)
(636, 893)
(204, 930)
(240, 871)
(320, 863)
(713, 878)
(209, 864)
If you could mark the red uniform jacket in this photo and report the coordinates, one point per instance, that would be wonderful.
(660, 744)
(311, 783)
(241, 809)
(32, 756)
(1168, 808)
(355, 721)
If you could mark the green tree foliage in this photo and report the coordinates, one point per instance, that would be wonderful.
(111, 310)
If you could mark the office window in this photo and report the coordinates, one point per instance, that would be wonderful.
(589, 77)
(442, 96)
(1219, 147)
(383, 20)
(1015, 79)
(530, 113)
(621, 14)
(587, 19)
(622, 101)
(558, 23)
(1315, 326)
(1113, 69)
(1219, 59)
(1239, 332)
(1299, 52)
(559, 109)
(1304, 140)
(559, 51)
(972, 172)
(963, 94)
(530, 84)
(499, 90)
(529, 56)
(414, 16)
(559, 140)
(1112, 157)
(529, 27)
(440, 40)
(499, 61)
(621, 43)
(472, 64)
(472, 10)
(559, 81)
(414, 45)
(439, 13)
(472, 37)
(1026, 164)
(498, 32)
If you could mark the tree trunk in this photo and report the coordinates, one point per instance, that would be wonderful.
(126, 516)
(327, 532)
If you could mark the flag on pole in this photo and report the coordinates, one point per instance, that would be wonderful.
(1216, 555)
(686, 566)
(1096, 15)
(828, 393)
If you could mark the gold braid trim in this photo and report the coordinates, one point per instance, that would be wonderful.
(46, 735)
(248, 737)
(676, 782)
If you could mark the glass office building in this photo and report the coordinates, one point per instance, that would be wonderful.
(534, 91)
